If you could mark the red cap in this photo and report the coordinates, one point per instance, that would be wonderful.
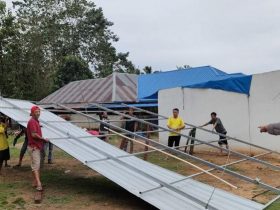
(34, 108)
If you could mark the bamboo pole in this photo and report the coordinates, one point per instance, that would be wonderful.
(175, 157)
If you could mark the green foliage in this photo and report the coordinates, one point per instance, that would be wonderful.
(147, 70)
(274, 206)
(71, 69)
(45, 37)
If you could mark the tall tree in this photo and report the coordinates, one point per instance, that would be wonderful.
(71, 69)
(72, 27)
(9, 51)
(148, 70)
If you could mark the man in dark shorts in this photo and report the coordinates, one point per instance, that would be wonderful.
(129, 125)
(219, 127)
(176, 124)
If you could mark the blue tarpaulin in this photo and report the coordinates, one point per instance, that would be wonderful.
(239, 84)
(199, 77)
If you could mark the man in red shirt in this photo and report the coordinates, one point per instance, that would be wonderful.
(35, 145)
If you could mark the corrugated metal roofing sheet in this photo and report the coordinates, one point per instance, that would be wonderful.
(118, 87)
(131, 173)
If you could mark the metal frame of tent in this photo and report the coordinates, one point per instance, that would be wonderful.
(177, 152)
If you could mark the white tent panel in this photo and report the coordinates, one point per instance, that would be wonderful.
(265, 107)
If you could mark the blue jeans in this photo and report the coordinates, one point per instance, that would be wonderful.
(47, 146)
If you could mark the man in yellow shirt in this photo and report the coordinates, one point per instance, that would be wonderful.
(4, 145)
(176, 124)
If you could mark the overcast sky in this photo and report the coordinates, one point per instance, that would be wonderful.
(232, 35)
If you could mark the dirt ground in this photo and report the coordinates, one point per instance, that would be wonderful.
(71, 185)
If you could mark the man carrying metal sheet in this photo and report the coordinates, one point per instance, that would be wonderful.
(219, 127)
(273, 129)
(130, 125)
(175, 123)
(35, 145)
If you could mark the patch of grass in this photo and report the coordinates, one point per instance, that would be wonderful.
(20, 202)
(98, 187)
(7, 193)
(14, 151)
(170, 164)
(234, 168)
(60, 154)
(274, 206)
(59, 199)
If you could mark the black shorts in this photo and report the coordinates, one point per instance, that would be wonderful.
(5, 154)
(103, 133)
(174, 140)
(223, 139)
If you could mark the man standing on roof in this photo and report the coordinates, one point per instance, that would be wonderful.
(176, 124)
(273, 129)
(35, 145)
(129, 125)
(219, 127)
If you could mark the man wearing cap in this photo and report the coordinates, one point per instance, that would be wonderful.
(35, 145)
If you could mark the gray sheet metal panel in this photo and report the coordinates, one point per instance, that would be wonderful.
(132, 181)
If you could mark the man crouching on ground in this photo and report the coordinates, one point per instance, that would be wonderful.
(35, 145)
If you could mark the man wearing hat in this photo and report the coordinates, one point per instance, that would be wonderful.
(35, 145)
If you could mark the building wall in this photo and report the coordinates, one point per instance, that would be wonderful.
(232, 108)
(91, 124)
(241, 116)
(265, 107)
